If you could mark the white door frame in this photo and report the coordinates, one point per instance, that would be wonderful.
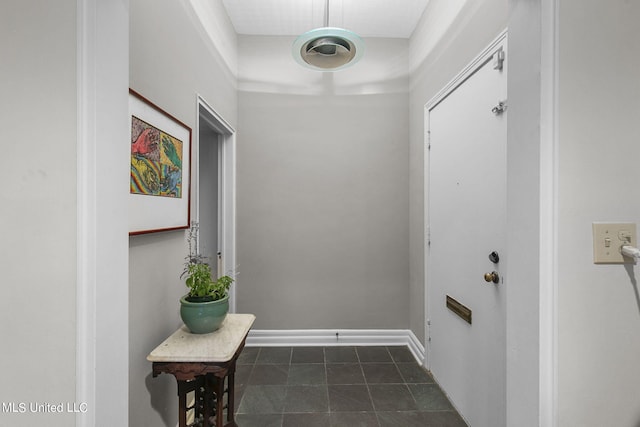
(532, 318)
(226, 186)
(467, 72)
(548, 293)
(102, 235)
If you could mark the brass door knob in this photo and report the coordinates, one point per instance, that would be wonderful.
(492, 277)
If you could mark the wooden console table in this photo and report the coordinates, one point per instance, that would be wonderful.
(201, 363)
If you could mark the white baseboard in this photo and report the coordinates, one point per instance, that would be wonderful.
(337, 337)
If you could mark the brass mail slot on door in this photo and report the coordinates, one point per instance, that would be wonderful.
(461, 310)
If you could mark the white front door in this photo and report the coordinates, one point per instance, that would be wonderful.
(467, 222)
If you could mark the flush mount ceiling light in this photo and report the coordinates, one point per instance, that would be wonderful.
(328, 48)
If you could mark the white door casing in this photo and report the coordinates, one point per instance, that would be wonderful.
(466, 221)
(226, 191)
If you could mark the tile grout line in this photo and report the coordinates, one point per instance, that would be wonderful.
(326, 381)
(364, 377)
(406, 384)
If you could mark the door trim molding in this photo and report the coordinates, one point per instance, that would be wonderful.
(227, 161)
(102, 259)
(467, 71)
(327, 338)
(86, 211)
(548, 304)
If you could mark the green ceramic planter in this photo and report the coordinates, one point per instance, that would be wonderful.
(203, 317)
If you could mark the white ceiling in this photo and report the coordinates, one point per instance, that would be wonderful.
(368, 18)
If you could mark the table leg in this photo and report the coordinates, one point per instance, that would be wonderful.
(184, 388)
(219, 389)
(210, 395)
(231, 395)
(182, 404)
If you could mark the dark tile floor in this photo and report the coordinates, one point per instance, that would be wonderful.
(337, 387)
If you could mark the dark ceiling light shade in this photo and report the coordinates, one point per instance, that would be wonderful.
(328, 48)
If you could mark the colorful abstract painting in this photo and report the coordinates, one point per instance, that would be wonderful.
(156, 161)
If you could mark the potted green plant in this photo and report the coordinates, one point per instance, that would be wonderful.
(205, 306)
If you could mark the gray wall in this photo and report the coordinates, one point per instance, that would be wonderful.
(323, 188)
(599, 125)
(171, 60)
(447, 38)
(38, 207)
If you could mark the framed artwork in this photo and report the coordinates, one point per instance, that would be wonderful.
(160, 181)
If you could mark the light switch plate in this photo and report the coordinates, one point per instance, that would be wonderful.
(608, 238)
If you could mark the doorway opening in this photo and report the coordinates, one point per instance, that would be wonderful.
(215, 188)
